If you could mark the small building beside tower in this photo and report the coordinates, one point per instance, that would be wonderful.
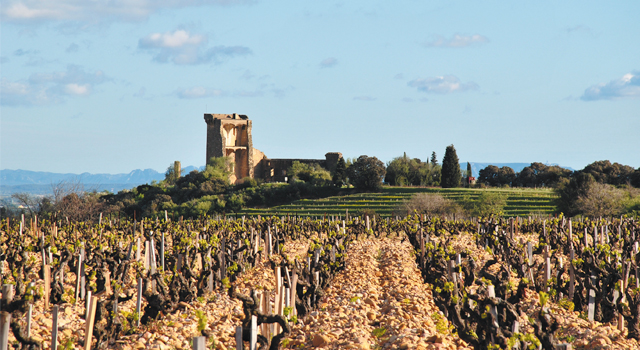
(229, 135)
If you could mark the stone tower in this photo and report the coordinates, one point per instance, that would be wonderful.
(229, 135)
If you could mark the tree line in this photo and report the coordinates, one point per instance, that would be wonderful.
(541, 175)
(601, 188)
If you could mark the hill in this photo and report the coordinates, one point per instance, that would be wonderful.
(520, 202)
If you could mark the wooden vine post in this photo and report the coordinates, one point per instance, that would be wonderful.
(88, 332)
(199, 343)
(5, 321)
(254, 332)
(572, 274)
(139, 302)
(54, 328)
(47, 285)
(239, 343)
(592, 299)
(5, 317)
(79, 275)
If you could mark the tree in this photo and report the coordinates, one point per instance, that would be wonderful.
(506, 176)
(26, 200)
(570, 191)
(340, 173)
(434, 158)
(320, 178)
(404, 171)
(451, 173)
(497, 177)
(173, 173)
(300, 171)
(218, 168)
(635, 178)
(604, 171)
(601, 200)
(397, 173)
(366, 173)
(469, 171)
(541, 175)
(489, 175)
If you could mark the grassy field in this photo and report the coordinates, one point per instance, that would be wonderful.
(520, 202)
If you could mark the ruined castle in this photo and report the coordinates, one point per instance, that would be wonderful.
(229, 135)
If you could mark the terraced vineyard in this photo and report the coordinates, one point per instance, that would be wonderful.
(520, 202)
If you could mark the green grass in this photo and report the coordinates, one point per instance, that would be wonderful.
(520, 202)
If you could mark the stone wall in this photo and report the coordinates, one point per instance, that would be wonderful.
(229, 135)
(275, 170)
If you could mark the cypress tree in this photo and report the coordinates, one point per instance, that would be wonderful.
(450, 168)
(340, 174)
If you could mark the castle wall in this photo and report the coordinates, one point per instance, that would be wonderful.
(215, 141)
(229, 135)
(276, 169)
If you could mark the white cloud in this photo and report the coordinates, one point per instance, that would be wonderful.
(198, 92)
(181, 47)
(626, 87)
(328, 62)
(178, 38)
(442, 85)
(95, 11)
(77, 89)
(457, 41)
(50, 88)
(260, 91)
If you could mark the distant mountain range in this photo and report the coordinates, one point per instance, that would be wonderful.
(40, 183)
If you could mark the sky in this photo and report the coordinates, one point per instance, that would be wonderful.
(109, 86)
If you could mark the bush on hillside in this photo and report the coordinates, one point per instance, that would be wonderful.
(488, 203)
(601, 200)
(427, 203)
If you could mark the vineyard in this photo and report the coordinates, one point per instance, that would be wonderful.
(520, 202)
(291, 283)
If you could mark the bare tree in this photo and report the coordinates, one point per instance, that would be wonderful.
(428, 203)
(601, 200)
(64, 188)
(27, 200)
(72, 200)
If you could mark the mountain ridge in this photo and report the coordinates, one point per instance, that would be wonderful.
(41, 182)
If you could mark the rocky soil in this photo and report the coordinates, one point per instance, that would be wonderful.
(378, 302)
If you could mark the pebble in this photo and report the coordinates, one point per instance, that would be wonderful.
(381, 274)
(320, 340)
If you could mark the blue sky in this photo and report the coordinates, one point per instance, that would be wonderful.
(112, 86)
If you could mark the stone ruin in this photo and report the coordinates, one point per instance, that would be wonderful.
(229, 135)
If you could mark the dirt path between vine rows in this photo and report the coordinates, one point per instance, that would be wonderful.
(378, 301)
